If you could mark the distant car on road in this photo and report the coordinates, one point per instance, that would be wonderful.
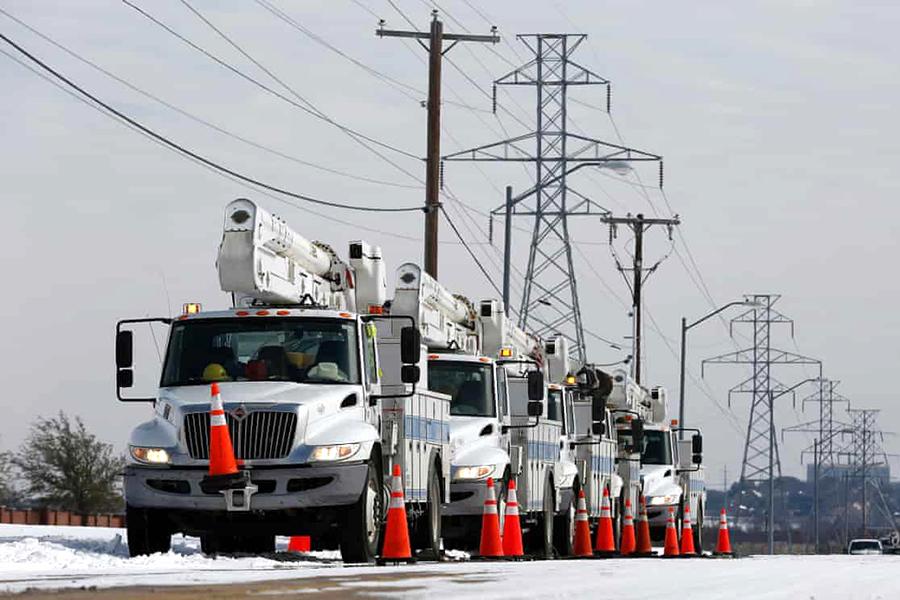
(865, 547)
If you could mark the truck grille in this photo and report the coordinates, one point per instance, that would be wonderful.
(259, 435)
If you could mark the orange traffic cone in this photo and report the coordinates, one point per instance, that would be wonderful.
(512, 528)
(687, 534)
(223, 469)
(627, 543)
(299, 543)
(582, 545)
(644, 547)
(723, 546)
(606, 542)
(490, 546)
(396, 533)
(671, 546)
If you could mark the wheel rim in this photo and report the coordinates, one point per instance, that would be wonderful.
(373, 502)
(435, 513)
(501, 505)
(548, 519)
(571, 523)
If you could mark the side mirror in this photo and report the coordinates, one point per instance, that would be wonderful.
(124, 350)
(535, 388)
(410, 346)
(697, 444)
(598, 428)
(637, 433)
(598, 408)
(535, 407)
(410, 374)
(124, 378)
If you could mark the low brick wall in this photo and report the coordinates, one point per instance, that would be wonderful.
(46, 516)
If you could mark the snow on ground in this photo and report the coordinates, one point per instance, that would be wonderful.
(38, 556)
(66, 557)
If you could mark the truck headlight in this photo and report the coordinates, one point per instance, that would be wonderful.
(477, 472)
(151, 456)
(668, 499)
(335, 452)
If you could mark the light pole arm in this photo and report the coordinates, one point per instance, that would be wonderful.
(715, 312)
(684, 329)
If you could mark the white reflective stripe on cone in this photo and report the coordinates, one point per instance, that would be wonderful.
(490, 507)
(217, 420)
(396, 500)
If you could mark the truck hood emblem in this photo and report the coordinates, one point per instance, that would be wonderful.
(239, 413)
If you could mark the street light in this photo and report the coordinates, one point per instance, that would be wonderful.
(684, 329)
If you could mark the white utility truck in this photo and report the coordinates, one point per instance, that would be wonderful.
(587, 456)
(494, 373)
(319, 389)
(650, 459)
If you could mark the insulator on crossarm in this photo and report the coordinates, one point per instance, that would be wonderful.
(491, 229)
(660, 174)
(441, 175)
(494, 99)
(608, 98)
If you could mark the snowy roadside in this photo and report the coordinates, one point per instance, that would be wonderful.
(43, 556)
(51, 558)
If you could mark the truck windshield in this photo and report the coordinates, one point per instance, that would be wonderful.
(657, 448)
(470, 386)
(250, 349)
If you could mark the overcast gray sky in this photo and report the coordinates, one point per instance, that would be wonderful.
(777, 120)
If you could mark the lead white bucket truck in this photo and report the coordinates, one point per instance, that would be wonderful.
(319, 389)
(494, 373)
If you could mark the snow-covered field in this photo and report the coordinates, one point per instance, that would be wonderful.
(36, 557)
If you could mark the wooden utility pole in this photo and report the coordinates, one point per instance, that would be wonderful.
(436, 50)
(638, 225)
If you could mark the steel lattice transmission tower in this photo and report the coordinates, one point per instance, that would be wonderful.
(550, 297)
(825, 427)
(761, 460)
(864, 453)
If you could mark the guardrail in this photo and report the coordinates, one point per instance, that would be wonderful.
(46, 516)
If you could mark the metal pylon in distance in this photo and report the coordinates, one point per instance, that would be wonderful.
(550, 297)
(760, 459)
(825, 427)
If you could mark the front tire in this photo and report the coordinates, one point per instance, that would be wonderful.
(564, 526)
(698, 530)
(427, 535)
(541, 537)
(148, 531)
(361, 532)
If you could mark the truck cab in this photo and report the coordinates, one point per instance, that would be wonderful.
(317, 386)
(672, 477)
(494, 374)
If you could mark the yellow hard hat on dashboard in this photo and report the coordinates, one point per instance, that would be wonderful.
(215, 372)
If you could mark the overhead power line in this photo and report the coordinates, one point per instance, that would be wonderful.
(307, 106)
(190, 153)
(201, 120)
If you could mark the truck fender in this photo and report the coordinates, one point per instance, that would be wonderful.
(616, 483)
(344, 432)
(154, 433)
(483, 455)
